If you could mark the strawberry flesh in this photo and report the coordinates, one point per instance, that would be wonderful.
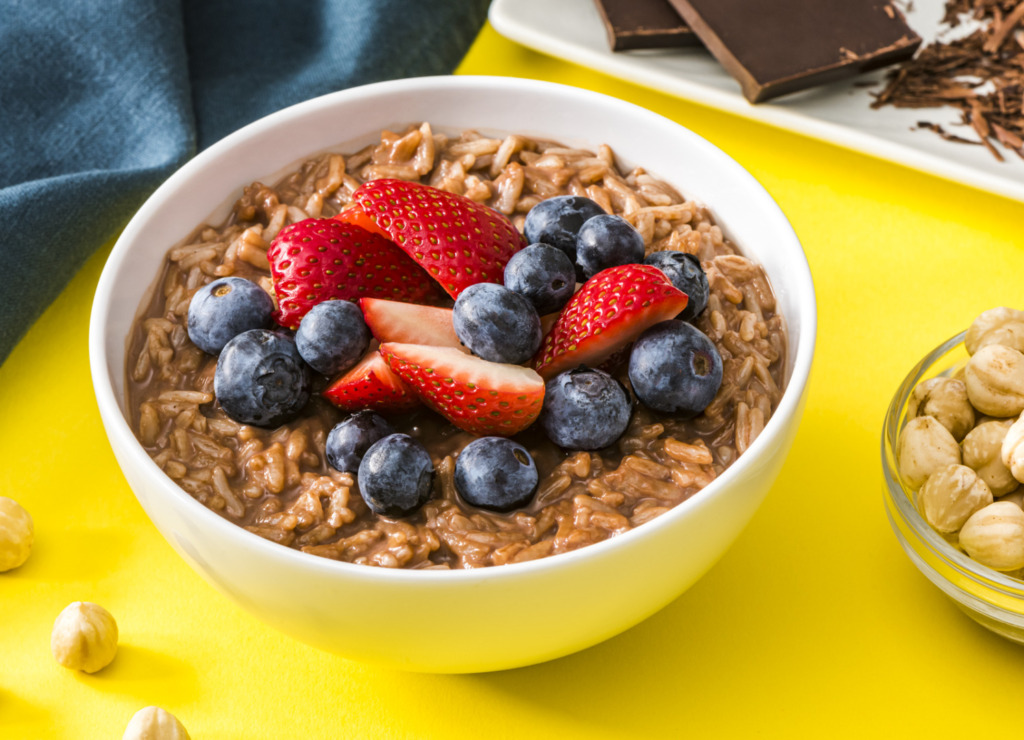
(371, 385)
(480, 397)
(321, 259)
(611, 309)
(458, 241)
(409, 323)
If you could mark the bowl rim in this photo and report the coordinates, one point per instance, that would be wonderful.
(900, 495)
(799, 281)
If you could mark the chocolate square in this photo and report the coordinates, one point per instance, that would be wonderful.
(775, 47)
(643, 24)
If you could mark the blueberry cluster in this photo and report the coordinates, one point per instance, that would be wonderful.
(264, 375)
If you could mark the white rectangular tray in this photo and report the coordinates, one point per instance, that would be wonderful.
(839, 113)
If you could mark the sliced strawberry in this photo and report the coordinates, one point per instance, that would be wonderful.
(410, 323)
(321, 258)
(458, 241)
(480, 397)
(371, 385)
(608, 312)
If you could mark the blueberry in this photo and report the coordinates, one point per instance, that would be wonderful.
(223, 309)
(543, 275)
(607, 241)
(261, 379)
(332, 337)
(349, 440)
(584, 409)
(495, 473)
(496, 324)
(675, 368)
(395, 476)
(556, 221)
(685, 272)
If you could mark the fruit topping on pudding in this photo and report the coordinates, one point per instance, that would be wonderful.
(261, 379)
(556, 222)
(348, 440)
(497, 324)
(607, 241)
(675, 368)
(606, 314)
(585, 409)
(543, 275)
(458, 241)
(495, 473)
(477, 396)
(223, 309)
(371, 385)
(318, 259)
(332, 337)
(395, 476)
(410, 323)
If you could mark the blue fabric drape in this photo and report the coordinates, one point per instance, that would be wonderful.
(101, 101)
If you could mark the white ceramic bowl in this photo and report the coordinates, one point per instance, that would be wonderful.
(474, 620)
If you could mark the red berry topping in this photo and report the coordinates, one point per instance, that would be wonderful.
(607, 313)
(320, 259)
(458, 241)
(480, 397)
(394, 321)
(371, 385)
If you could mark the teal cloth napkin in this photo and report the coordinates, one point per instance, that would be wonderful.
(101, 101)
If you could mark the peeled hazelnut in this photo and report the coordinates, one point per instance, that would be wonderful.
(996, 326)
(950, 496)
(84, 637)
(946, 400)
(925, 447)
(982, 452)
(994, 536)
(16, 534)
(1017, 497)
(154, 723)
(994, 377)
(1011, 452)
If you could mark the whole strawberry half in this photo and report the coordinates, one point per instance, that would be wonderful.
(321, 258)
(371, 385)
(410, 323)
(458, 241)
(606, 314)
(480, 397)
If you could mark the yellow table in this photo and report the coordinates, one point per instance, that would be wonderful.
(814, 624)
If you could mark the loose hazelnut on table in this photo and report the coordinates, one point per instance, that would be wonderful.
(925, 447)
(944, 399)
(154, 723)
(994, 536)
(1000, 325)
(16, 534)
(994, 377)
(982, 452)
(84, 637)
(950, 496)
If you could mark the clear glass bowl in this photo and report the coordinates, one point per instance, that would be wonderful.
(993, 599)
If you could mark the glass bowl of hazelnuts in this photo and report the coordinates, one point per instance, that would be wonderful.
(953, 463)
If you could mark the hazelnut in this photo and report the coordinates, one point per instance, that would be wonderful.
(995, 380)
(996, 326)
(84, 637)
(945, 399)
(1017, 497)
(950, 496)
(925, 447)
(1011, 452)
(16, 534)
(982, 452)
(154, 723)
(994, 536)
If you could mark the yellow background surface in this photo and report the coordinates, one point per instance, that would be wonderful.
(813, 624)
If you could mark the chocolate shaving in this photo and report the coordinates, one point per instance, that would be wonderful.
(980, 75)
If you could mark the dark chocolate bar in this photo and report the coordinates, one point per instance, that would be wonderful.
(643, 24)
(775, 47)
